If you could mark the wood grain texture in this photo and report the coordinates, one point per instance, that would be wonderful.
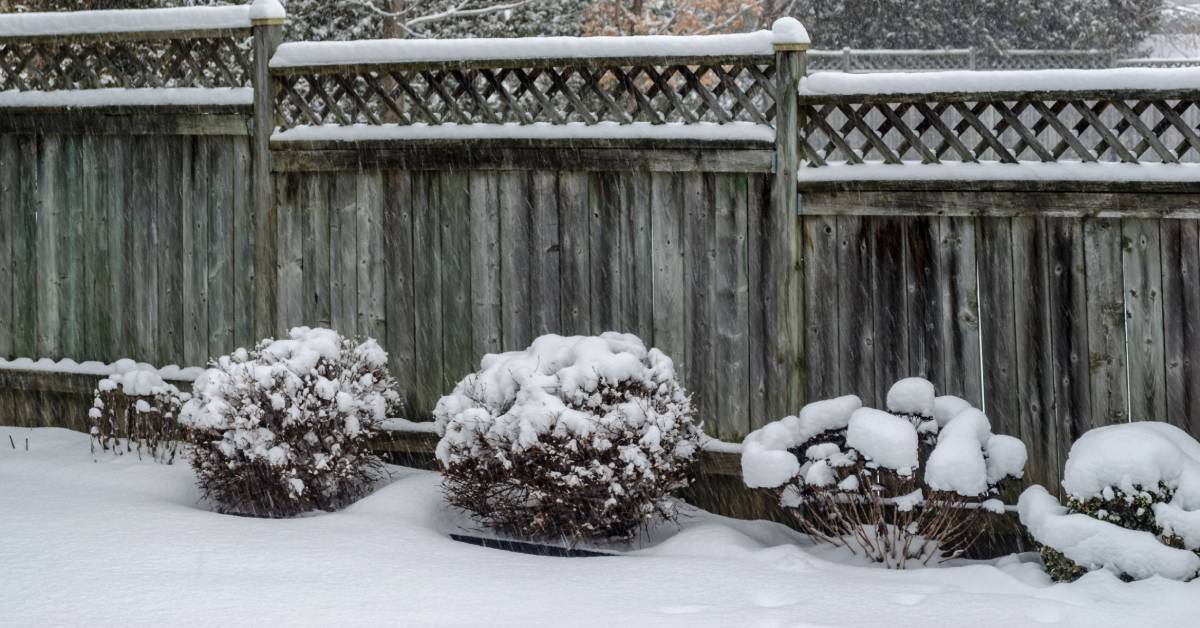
(1142, 263)
(961, 367)
(401, 306)
(1106, 322)
(1180, 240)
(455, 232)
(486, 301)
(998, 324)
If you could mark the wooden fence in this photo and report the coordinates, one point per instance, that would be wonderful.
(1033, 248)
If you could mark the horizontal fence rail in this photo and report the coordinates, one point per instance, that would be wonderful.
(197, 47)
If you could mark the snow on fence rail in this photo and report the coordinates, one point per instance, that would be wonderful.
(189, 47)
(658, 80)
(1132, 116)
(894, 60)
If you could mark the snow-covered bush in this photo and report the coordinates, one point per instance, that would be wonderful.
(284, 429)
(1133, 505)
(901, 487)
(135, 405)
(572, 437)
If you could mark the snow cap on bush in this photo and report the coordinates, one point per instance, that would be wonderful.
(885, 440)
(284, 428)
(912, 396)
(1133, 507)
(573, 436)
(766, 461)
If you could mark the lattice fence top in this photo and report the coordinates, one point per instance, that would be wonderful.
(656, 91)
(1126, 126)
(221, 61)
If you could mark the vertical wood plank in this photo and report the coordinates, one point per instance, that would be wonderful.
(637, 256)
(371, 315)
(855, 321)
(960, 359)
(699, 199)
(24, 248)
(314, 201)
(169, 200)
(9, 206)
(823, 347)
(517, 322)
(427, 290)
(71, 216)
(485, 263)
(343, 254)
(455, 225)
(94, 282)
(575, 277)
(1068, 329)
(890, 311)
(545, 282)
(220, 246)
(398, 249)
(290, 269)
(145, 263)
(604, 206)
(998, 324)
(1035, 373)
(50, 177)
(667, 219)
(1106, 322)
(1181, 323)
(759, 198)
(245, 242)
(118, 209)
(1142, 262)
(195, 269)
(924, 288)
(731, 305)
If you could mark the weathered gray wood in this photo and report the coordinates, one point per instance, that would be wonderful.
(756, 209)
(398, 248)
(70, 232)
(731, 306)
(1039, 427)
(427, 378)
(455, 223)
(119, 243)
(1068, 329)
(545, 266)
(372, 317)
(143, 278)
(890, 311)
(486, 309)
(822, 346)
(998, 324)
(1023, 199)
(49, 199)
(195, 251)
(1106, 322)
(125, 121)
(604, 204)
(637, 255)
(960, 358)
(667, 230)
(23, 217)
(315, 207)
(575, 258)
(925, 281)
(169, 198)
(343, 253)
(517, 322)
(245, 243)
(220, 246)
(1142, 262)
(700, 367)
(1181, 322)
(290, 199)
(9, 207)
(855, 320)
(267, 35)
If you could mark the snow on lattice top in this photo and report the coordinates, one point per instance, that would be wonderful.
(967, 81)
(789, 30)
(267, 10)
(383, 51)
(124, 366)
(135, 97)
(136, 20)
(704, 131)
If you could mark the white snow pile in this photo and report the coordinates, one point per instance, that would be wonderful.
(122, 367)
(284, 428)
(124, 21)
(1134, 492)
(966, 458)
(581, 436)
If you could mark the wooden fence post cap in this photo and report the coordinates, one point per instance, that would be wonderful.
(267, 13)
(790, 34)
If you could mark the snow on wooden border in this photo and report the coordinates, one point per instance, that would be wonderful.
(99, 369)
(997, 171)
(15, 25)
(968, 81)
(137, 97)
(386, 51)
(706, 131)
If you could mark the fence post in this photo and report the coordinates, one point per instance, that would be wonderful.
(267, 18)
(972, 59)
(784, 308)
(846, 59)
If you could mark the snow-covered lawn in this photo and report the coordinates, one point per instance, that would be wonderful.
(115, 541)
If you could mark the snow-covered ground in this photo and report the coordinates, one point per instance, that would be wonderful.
(114, 541)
